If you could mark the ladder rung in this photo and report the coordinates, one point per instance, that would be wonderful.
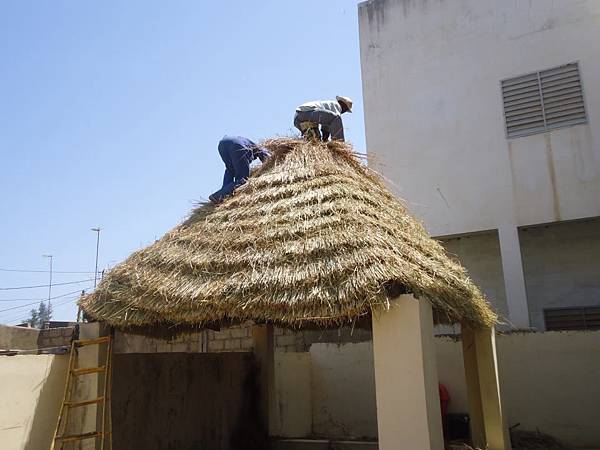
(85, 402)
(86, 370)
(79, 437)
(83, 342)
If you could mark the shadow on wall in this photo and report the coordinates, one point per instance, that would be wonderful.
(185, 401)
(250, 432)
(48, 405)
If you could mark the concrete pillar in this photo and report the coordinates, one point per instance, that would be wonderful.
(514, 279)
(488, 428)
(264, 352)
(87, 387)
(406, 383)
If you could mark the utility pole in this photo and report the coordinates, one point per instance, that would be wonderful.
(97, 230)
(50, 283)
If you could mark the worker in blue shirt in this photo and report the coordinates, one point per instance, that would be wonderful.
(237, 153)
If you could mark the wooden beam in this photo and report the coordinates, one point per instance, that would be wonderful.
(264, 352)
(488, 429)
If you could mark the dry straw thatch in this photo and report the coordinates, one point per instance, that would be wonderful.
(313, 238)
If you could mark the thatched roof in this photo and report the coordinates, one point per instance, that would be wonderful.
(313, 238)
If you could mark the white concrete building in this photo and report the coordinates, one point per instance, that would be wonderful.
(485, 114)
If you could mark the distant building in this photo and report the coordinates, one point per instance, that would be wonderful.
(50, 324)
(486, 115)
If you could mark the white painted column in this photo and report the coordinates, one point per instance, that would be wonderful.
(514, 279)
(406, 382)
(488, 429)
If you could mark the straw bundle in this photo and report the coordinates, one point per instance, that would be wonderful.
(313, 238)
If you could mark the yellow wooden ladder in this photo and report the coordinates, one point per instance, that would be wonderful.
(105, 434)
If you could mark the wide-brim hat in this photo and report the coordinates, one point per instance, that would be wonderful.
(347, 101)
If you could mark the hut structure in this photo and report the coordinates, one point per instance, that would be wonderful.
(315, 239)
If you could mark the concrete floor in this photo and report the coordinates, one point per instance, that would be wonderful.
(321, 444)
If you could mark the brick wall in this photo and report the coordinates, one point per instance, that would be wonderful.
(289, 340)
(232, 339)
(55, 337)
(235, 339)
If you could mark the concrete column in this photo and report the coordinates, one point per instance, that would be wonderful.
(406, 383)
(264, 352)
(488, 428)
(514, 279)
(87, 387)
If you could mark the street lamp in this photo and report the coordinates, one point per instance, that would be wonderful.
(97, 230)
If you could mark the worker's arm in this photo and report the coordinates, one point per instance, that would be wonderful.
(262, 154)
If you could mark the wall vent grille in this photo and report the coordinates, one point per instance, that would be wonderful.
(543, 101)
(586, 318)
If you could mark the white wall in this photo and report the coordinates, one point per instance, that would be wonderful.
(343, 390)
(31, 389)
(431, 75)
(293, 384)
(549, 381)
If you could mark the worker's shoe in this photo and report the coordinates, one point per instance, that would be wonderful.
(214, 199)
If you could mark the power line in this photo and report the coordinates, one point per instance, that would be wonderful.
(44, 285)
(21, 306)
(19, 299)
(47, 271)
(31, 298)
(58, 305)
(23, 319)
(18, 316)
(36, 298)
(37, 301)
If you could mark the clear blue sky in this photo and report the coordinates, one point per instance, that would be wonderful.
(110, 114)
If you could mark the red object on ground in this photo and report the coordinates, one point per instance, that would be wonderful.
(444, 400)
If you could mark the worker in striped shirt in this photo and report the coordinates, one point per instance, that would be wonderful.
(327, 114)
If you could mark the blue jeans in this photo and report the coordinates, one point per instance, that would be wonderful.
(237, 167)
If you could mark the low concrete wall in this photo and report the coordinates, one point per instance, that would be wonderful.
(293, 390)
(18, 338)
(549, 382)
(31, 389)
(55, 337)
(343, 390)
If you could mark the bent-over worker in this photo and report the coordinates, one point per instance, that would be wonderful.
(327, 113)
(237, 153)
